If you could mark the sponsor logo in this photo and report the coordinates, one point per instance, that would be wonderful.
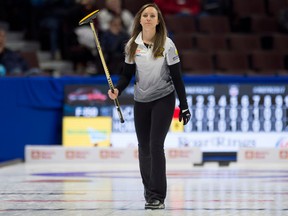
(250, 155)
(72, 154)
(175, 58)
(41, 155)
(87, 94)
(140, 51)
(283, 154)
(282, 143)
(108, 154)
(178, 153)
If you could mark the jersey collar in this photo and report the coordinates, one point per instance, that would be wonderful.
(139, 39)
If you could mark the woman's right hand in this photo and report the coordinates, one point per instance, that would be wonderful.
(113, 95)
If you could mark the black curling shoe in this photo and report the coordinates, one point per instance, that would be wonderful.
(154, 204)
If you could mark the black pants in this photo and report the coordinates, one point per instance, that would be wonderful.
(152, 122)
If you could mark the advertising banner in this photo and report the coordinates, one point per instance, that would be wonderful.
(224, 117)
(60, 154)
(262, 155)
(80, 131)
(211, 142)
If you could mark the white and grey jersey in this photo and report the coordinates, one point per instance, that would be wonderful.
(152, 76)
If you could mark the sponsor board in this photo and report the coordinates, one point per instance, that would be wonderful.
(56, 154)
(79, 131)
(211, 142)
(46, 154)
(184, 155)
(262, 155)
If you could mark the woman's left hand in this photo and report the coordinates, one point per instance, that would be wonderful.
(184, 115)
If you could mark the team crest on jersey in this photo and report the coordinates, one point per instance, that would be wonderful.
(176, 52)
(176, 57)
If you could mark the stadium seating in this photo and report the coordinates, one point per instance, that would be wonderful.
(246, 37)
(247, 41)
(197, 62)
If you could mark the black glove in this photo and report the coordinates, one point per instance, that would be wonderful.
(185, 115)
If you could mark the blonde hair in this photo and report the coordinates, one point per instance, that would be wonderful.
(160, 36)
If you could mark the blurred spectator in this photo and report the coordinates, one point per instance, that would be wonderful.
(15, 13)
(113, 41)
(11, 63)
(79, 41)
(216, 7)
(283, 20)
(114, 8)
(51, 25)
(181, 7)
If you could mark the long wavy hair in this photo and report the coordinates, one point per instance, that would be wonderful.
(159, 38)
